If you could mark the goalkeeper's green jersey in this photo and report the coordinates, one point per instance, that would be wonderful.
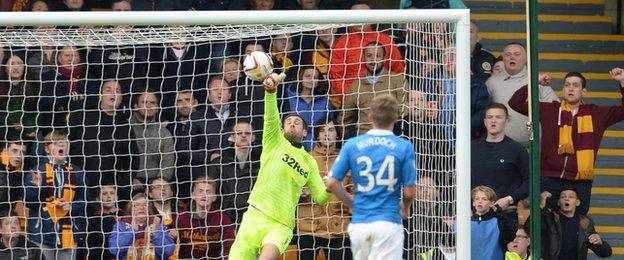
(284, 171)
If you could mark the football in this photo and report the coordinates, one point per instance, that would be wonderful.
(257, 65)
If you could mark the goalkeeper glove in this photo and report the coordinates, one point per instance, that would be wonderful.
(271, 81)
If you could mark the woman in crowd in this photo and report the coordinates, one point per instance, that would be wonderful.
(324, 227)
(308, 98)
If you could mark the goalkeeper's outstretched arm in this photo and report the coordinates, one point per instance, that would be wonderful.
(318, 188)
(272, 131)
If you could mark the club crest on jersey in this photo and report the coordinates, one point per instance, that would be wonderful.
(295, 165)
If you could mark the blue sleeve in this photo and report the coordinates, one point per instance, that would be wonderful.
(341, 165)
(163, 243)
(121, 239)
(408, 173)
(79, 204)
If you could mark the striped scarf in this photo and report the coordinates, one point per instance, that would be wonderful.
(53, 205)
(282, 57)
(320, 57)
(141, 248)
(584, 147)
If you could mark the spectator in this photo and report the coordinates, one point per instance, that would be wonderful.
(18, 99)
(183, 131)
(425, 216)
(12, 173)
(214, 120)
(104, 145)
(162, 203)
(571, 135)
(74, 5)
(514, 76)
(205, 231)
(378, 80)
(265, 5)
(283, 56)
(248, 97)
(498, 67)
(490, 231)
(67, 89)
(500, 163)
(308, 98)
(420, 126)
(159, 5)
(309, 4)
(219, 5)
(321, 50)
(231, 70)
(518, 249)
(42, 59)
(481, 60)
(139, 236)
(156, 155)
(56, 198)
(176, 66)
(324, 227)
(347, 56)
(121, 5)
(250, 47)
(12, 244)
(479, 99)
(424, 45)
(34, 6)
(125, 63)
(236, 171)
(566, 233)
(101, 223)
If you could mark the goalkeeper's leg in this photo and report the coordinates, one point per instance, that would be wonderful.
(260, 235)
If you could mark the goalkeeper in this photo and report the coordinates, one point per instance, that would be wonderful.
(285, 168)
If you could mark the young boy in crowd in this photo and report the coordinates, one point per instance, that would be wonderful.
(55, 196)
(101, 223)
(490, 231)
(12, 244)
(567, 234)
(204, 231)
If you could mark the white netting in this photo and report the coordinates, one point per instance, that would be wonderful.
(91, 83)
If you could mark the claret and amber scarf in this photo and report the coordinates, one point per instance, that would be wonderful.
(283, 58)
(67, 192)
(584, 147)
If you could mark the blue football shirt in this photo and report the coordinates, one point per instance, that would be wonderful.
(380, 163)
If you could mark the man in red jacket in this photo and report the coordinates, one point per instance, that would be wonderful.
(571, 135)
(347, 60)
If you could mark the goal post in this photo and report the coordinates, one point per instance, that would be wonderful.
(219, 25)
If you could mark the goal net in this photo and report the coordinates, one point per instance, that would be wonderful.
(138, 119)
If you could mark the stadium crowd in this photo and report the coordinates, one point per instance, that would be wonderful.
(134, 151)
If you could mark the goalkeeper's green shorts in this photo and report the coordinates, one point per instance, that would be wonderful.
(256, 231)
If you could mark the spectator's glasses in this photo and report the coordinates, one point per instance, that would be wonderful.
(243, 133)
(522, 236)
